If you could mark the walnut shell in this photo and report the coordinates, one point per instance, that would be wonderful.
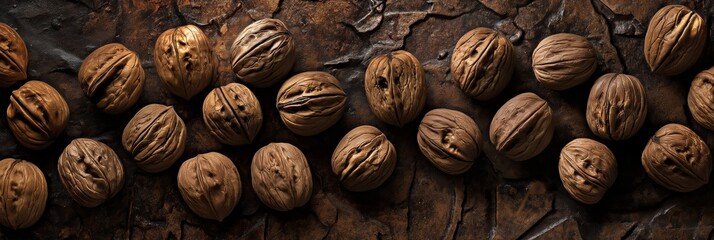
(587, 169)
(395, 87)
(155, 137)
(37, 114)
(263, 53)
(184, 60)
(562, 61)
(364, 159)
(675, 39)
(482, 63)
(13, 57)
(450, 139)
(676, 158)
(23, 193)
(701, 98)
(617, 106)
(210, 185)
(90, 171)
(281, 176)
(522, 128)
(112, 78)
(232, 114)
(311, 102)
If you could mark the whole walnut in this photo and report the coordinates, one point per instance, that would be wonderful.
(184, 60)
(676, 158)
(522, 128)
(90, 171)
(364, 159)
(395, 87)
(232, 114)
(37, 114)
(263, 53)
(617, 106)
(563, 61)
(701, 98)
(23, 193)
(281, 176)
(210, 185)
(587, 169)
(450, 139)
(482, 63)
(311, 102)
(13, 57)
(675, 39)
(112, 78)
(155, 137)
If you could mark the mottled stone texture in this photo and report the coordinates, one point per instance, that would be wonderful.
(496, 198)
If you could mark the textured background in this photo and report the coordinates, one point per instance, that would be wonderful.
(495, 199)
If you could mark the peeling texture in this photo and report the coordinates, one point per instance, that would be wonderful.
(701, 98)
(281, 176)
(37, 114)
(482, 63)
(90, 171)
(184, 60)
(522, 127)
(450, 139)
(263, 53)
(617, 106)
(311, 102)
(232, 113)
(675, 39)
(563, 61)
(363, 159)
(13, 57)
(155, 137)
(587, 169)
(210, 185)
(23, 193)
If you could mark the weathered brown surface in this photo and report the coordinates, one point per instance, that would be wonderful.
(497, 198)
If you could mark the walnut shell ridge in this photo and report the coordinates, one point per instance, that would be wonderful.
(482, 63)
(184, 60)
(37, 114)
(210, 185)
(232, 113)
(587, 169)
(701, 98)
(155, 137)
(522, 128)
(13, 57)
(23, 193)
(281, 176)
(450, 139)
(90, 171)
(675, 39)
(364, 159)
(562, 61)
(311, 102)
(263, 53)
(617, 106)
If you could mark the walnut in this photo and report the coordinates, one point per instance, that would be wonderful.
(90, 171)
(232, 114)
(676, 158)
(701, 98)
(522, 128)
(675, 39)
(112, 78)
(184, 60)
(450, 139)
(263, 53)
(311, 102)
(587, 169)
(482, 63)
(617, 106)
(395, 87)
(13, 57)
(364, 159)
(210, 185)
(23, 193)
(155, 137)
(281, 176)
(563, 61)
(37, 114)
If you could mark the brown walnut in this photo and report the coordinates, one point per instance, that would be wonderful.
(617, 106)
(587, 169)
(364, 159)
(281, 176)
(184, 60)
(482, 63)
(210, 185)
(23, 193)
(90, 171)
(263, 53)
(37, 114)
(522, 128)
(450, 139)
(701, 98)
(675, 39)
(13, 57)
(232, 114)
(155, 137)
(563, 61)
(311, 102)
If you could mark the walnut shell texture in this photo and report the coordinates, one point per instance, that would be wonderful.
(232, 114)
(155, 137)
(675, 39)
(587, 169)
(210, 185)
(23, 193)
(281, 176)
(450, 139)
(13, 57)
(37, 114)
(184, 60)
(522, 128)
(311, 102)
(676, 158)
(701, 98)
(482, 63)
(562, 61)
(90, 171)
(617, 106)
(364, 159)
(263, 53)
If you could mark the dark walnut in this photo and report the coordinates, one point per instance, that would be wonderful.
(210, 185)
(184, 60)
(311, 102)
(263, 53)
(232, 114)
(482, 63)
(563, 61)
(701, 98)
(364, 159)
(155, 137)
(395, 87)
(522, 128)
(13, 57)
(112, 78)
(617, 106)
(587, 169)
(90, 171)
(23, 193)
(450, 139)
(281, 176)
(676, 158)
(37, 114)
(675, 39)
